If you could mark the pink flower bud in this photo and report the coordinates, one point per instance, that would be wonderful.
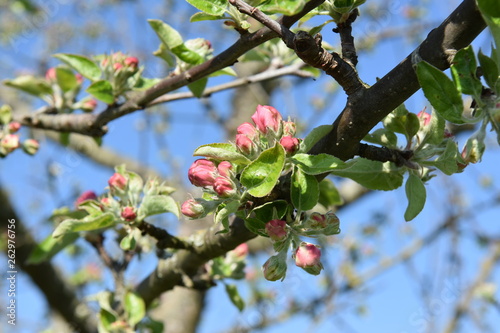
(241, 250)
(244, 144)
(225, 168)
(425, 118)
(192, 208)
(85, 196)
(289, 128)
(30, 146)
(117, 66)
(50, 75)
(248, 130)
(79, 78)
(267, 118)
(117, 182)
(131, 62)
(10, 142)
(106, 201)
(317, 220)
(274, 268)
(14, 127)
(128, 214)
(89, 105)
(202, 173)
(290, 144)
(224, 187)
(308, 256)
(276, 229)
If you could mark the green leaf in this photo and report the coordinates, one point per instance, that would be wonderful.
(396, 120)
(441, 92)
(212, 7)
(416, 194)
(329, 194)
(157, 204)
(382, 136)
(81, 64)
(168, 35)
(313, 137)
(256, 226)
(436, 129)
(144, 83)
(29, 84)
(285, 7)
(374, 175)
(463, 71)
(197, 87)
(317, 164)
(260, 176)
(491, 14)
(304, 190)
(489, 69)
(412, 124)
(128, 242)
(265, 212)
(221, 152)
(135, 308)
(66, 79)
(87, 224)
(223, 213)
(447, 161)
(234, 296)
(187, 55)
(106, 318)
(5, 114)
(164, 53)
(224, 71)
(200, 16)
(103, 91)
(64, 138)
(49, 247)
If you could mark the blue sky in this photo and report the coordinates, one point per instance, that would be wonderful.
(392, 299)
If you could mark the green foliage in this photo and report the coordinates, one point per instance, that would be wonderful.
(441, 92)
(260, 176)
(50, 246)
(416, 194)
(81, 64)
(234, 296)
(304, 190)
(103, 91)
(29, 84)
(222, 152)
(135, 309)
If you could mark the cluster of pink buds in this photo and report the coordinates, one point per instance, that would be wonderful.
(218, 179)
(120, 62)
(269, 127)
(10, 141)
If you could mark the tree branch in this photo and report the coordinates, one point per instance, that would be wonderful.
(95, 124)
(363, 111)
(165, 240)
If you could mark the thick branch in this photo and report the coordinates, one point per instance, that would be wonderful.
(165, 240)
(365, 110)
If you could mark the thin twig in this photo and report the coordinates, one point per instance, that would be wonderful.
(165, 240)
(344, 29)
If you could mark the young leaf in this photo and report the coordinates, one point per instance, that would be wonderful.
(416, 194)
(49, 247)
(265, 212)
(463, 71)
(128, 242)
(447, 161)
(287, 7)
(198, 87)
(313, 137)
(222, 215)
(317, 164)
(200, 16)
(235, 297)
(489, 69)
(372, 174)
(328, 194)
(256, 226)
(87, 224)
(441, 92)
(66, 79)
(135, 308)
(187, 55)
(102, 90)
(304, 190)
(30, 84)
(81, 64)
(168, 35)
(491, 14)
(382, 136)
(5, 114)
(157, 204)
(221, 152)
(212, 7)
(260, 176)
